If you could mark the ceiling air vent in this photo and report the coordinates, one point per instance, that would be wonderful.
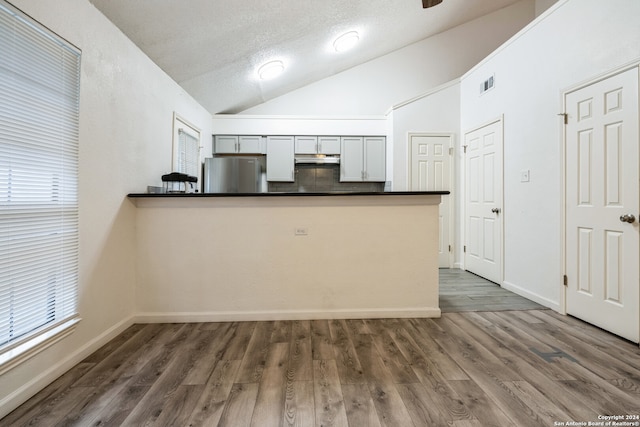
(487, 85)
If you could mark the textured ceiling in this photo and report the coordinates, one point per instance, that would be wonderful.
(213, 47)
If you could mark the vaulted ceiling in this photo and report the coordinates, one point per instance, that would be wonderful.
(213, 48)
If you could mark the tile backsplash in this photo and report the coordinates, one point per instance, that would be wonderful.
(312, 178)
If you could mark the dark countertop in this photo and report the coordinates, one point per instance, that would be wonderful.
(276, 194)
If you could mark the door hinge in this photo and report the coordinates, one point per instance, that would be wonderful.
(565, 117)
(565, 280)
(465, 149)
(464, 249)
(449, 248)
(451, 151)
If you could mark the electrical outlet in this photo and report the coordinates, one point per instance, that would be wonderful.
(301, 231)
(524, 175)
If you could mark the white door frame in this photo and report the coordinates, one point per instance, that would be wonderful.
(562, 306)
(463, 202)
(451, 196)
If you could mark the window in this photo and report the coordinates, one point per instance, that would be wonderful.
(39, 109)
(186, 147)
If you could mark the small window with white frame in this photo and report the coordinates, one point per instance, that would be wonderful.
(186, 147)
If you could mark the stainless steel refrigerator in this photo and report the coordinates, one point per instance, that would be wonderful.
(234, 174)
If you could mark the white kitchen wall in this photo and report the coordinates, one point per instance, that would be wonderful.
(243, 124)
(372, 88)
(126, 116)
(571, 42)
(437, 111)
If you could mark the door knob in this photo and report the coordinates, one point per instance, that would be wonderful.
(628, 218)
(495, 210)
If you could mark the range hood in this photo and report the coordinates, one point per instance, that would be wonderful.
(318, 159)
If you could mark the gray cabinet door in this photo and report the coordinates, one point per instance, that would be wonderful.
(280, 155)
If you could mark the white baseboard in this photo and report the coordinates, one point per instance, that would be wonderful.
(554, 305)
(238, 316)
(28, 390)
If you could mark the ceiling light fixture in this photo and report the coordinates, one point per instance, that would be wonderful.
(270, 70)
(346, 41)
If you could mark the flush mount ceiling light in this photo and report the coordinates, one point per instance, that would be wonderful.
(346, 41)
(270, 70)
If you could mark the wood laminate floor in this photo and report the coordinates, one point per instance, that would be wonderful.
(464, 291)
(501, 368)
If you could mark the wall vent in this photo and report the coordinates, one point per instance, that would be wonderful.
(487, 84)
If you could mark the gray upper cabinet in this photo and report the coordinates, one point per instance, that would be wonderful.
(375, 159)
(317, 144)
(238, 144)
(223, 144)
(306, 144)
(280, 158)
(363, 159)
(251, 144)
(351, 159)
(328, 145)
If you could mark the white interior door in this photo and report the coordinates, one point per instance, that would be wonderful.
(431, 171)
(483, 201)
(602, 244)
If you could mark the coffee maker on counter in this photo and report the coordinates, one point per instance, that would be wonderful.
(176, 182)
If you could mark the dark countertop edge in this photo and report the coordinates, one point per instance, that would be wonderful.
(277, 194)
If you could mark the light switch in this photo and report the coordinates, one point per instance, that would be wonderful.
(524, 175)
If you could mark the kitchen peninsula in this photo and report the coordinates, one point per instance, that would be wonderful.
(272, 256)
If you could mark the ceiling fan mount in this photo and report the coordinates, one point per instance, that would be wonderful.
(430, 3)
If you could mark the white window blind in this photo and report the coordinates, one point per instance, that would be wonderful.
(39, 109)
(188, 153)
